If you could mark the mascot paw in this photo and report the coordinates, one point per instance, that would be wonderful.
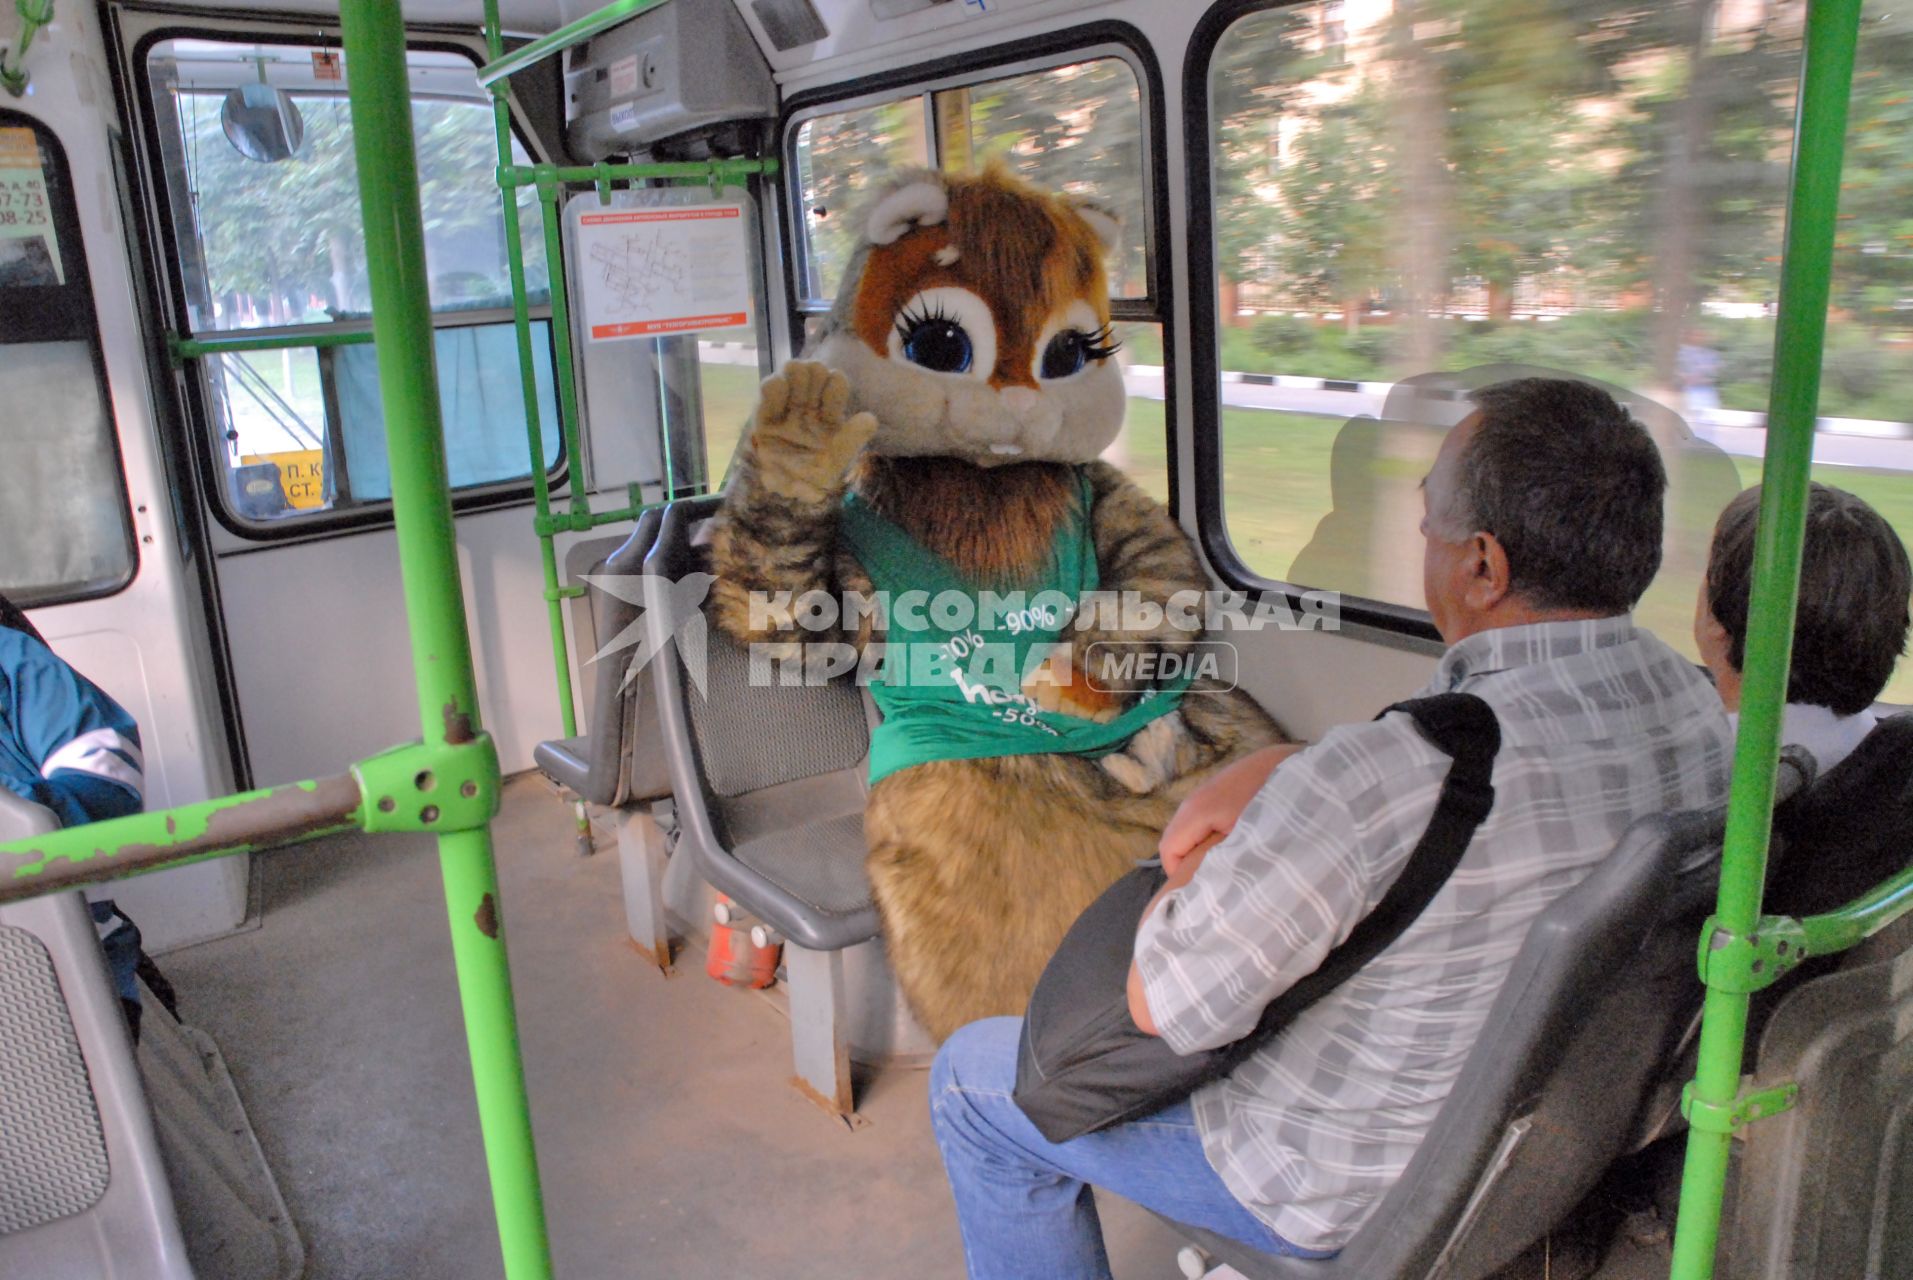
(1057, 686)
(803, 441)
(1153, 756)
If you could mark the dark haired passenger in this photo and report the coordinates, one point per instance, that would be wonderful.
(1850, 629)
(1542, 529)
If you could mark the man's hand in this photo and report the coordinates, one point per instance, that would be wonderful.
(804, 443)
(1210, 811)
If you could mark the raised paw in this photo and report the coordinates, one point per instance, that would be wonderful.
(1153, 756)
(803, 440)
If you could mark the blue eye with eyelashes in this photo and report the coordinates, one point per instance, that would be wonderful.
(1072, 349)
(935, 340)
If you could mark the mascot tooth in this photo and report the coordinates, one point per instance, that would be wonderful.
(945, 439)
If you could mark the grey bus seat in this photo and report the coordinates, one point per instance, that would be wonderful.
(769, 787)
(1826, 1188)
(617, 759)
(96, 1182)
(1596, 999)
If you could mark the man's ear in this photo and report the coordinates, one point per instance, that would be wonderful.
(1490, 580)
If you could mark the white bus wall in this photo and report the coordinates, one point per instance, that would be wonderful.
(147, 645)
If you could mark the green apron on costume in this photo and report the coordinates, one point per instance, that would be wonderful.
(954, 662)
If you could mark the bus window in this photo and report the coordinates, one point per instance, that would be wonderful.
(63, 509)
(841, 156)
(1076, 128)
(269, 245)
(1444, 198)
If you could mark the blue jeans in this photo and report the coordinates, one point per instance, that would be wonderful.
(1023, 1202)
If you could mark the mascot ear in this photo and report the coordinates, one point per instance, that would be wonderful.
(1103, 220)
(919, 202)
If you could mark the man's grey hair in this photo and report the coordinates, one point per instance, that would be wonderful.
(1570, 484)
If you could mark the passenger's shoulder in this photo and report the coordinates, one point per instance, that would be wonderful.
(1385, 753)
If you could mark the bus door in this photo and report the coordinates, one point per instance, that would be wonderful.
(249, 171)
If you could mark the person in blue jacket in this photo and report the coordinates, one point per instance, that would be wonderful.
(63, 742)
(68, 746)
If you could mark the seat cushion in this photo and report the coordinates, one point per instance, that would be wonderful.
(820, 863)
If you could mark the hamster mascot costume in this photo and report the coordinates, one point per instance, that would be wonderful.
(944, 441)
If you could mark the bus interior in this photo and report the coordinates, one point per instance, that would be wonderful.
(1337, 218)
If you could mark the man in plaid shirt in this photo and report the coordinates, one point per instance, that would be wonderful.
(1542, 530)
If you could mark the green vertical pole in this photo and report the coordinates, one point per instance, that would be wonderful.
(527, 372)
(1826, 81)
(550, 197)
(434, 604)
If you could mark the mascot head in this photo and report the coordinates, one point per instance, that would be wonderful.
(973, 321)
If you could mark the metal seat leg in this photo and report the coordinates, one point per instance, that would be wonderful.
(642, 854)
(819, 1043)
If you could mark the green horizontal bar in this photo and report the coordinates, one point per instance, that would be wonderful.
(563, 38)
(719, 171)
(1860, 919)
(185, 349)
(97, 851)
(584, 521)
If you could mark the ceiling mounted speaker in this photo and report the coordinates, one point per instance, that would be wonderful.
(790, 24)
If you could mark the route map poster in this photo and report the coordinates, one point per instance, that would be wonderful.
(648, 273)
(28, 252)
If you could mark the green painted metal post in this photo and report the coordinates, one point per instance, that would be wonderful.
(1826, 81)
(434, 605)
(34, 14)
(550, 202)
(527, 372)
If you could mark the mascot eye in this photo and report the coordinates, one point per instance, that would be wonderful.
(946, 330)
(936, 341)
(1069, 351)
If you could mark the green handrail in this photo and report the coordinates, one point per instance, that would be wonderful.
(382, 141)
(34, 14)
(550, 182)
(1717, 1105)
(565, 370)
(716, 172)
(506, 64)
(527, 372)
(181, 349)
(1866, 915)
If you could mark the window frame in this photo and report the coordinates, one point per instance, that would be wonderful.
(208, 464)
(1205, 348)
(1042, 53)
(80, 278)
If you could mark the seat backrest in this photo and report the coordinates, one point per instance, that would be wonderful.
(1826, 1188)
(1850, 830)
(20, 817)
(748, 735)
(82, 1191)
(751, 757)
(635, 751)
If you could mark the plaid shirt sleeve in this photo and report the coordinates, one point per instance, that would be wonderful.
(1309, 858)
